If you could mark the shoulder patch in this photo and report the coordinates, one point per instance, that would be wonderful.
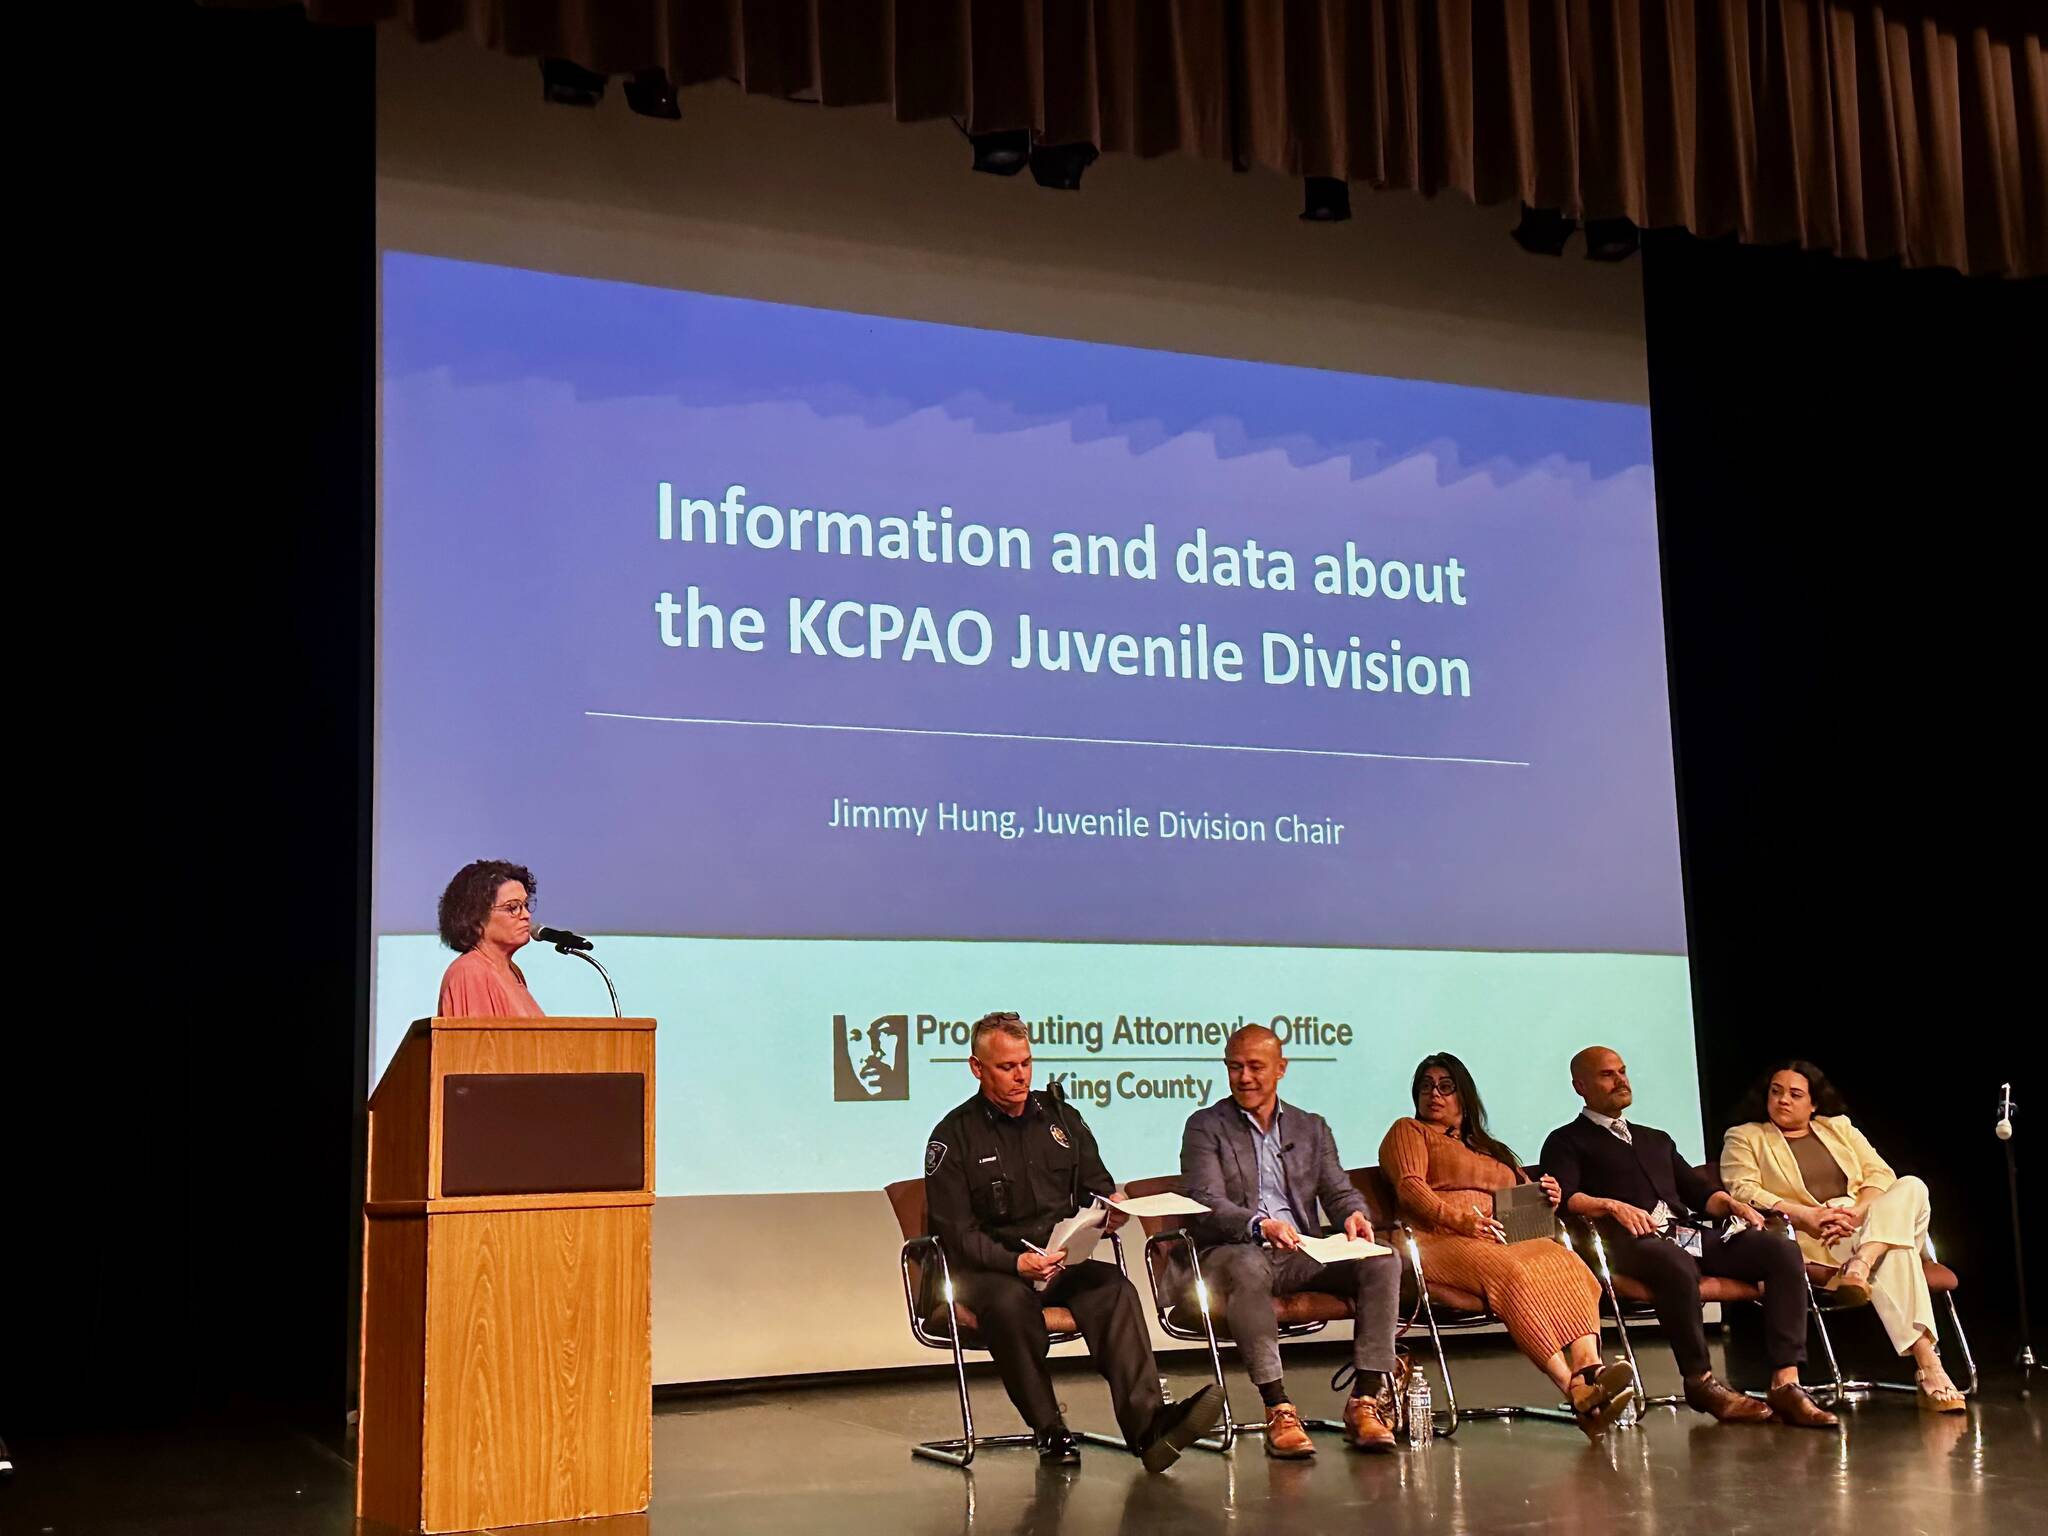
(934, 1154)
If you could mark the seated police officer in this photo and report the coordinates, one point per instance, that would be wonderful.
(1262, 1167)
(1000, 1172)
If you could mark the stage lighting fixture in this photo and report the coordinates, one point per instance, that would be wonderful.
(569, 85)
(1001, 154)
(1543, 231)
(1059, 166)
(1325, 200)
(1610, 239)
(651, 95)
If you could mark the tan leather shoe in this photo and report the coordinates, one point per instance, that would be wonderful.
(1596, 1404)
(1285, 1438)
(1706, 1395)
(1792, 1404)
(1365, 1425)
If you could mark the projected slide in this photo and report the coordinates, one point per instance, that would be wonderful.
(852, 676)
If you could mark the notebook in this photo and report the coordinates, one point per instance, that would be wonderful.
(1525, 1212)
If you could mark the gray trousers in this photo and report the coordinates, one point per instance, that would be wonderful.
(1248, 1277)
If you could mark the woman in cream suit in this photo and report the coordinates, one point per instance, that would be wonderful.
(1806, 1161)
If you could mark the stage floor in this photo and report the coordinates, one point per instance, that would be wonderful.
(837, 1459)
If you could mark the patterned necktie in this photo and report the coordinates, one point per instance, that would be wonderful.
(1620, 1128)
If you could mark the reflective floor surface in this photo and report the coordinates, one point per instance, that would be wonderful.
(837, 1459)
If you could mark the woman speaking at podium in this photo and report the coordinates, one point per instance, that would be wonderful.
(486, 917)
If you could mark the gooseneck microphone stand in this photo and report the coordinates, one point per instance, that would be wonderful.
(2025, 1359)
(591, 961)
(567, 943)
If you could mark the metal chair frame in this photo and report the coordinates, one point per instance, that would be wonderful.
(1446, 1421)
(1837, 1390)
(1224, 1438)
(959, 1451)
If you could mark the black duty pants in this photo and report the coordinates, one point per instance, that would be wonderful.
(1112, 1320)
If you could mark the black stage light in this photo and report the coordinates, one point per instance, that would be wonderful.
(651, 95)
(569, 85)
(1001, 154)
(1059, 166)
(1325, 200)
(1610, 239)
(1543, 231)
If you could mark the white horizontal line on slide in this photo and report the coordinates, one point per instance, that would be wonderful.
(1085, 741)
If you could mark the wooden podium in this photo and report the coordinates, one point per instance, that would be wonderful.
(507, 1365)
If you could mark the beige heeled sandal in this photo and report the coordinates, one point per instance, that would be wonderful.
(1948, 1399)
(1851, 1284)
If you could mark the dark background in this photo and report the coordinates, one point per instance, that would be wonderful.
(1844, 454)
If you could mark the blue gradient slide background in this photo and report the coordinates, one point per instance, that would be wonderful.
(1512, 908)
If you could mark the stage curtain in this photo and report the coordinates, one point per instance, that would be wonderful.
(1917, 132)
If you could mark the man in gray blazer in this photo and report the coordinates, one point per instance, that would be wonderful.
(1262, 1167)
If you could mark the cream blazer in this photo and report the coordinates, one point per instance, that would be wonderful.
(1758, 1168)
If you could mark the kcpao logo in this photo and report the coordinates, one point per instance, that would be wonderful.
(870, 1061)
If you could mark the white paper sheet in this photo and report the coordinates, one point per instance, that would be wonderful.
(1336, 1248)
(1168, 1204)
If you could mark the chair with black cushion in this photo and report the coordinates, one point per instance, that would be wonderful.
(1182, 1303)
(1445, 1308)
(937, 1321)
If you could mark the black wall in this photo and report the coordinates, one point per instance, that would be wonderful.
(184, 1145)
(1843, 463)
(1848, 472)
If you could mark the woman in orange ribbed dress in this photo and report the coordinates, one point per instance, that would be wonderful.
(1444, 1167)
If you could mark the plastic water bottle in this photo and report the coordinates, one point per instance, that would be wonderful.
(1415, 1411)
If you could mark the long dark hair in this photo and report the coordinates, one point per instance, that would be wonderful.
(1473, 1132)
(1756, 1105)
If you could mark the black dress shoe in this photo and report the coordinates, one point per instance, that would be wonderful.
(1179, 1425)
(1057, 1447)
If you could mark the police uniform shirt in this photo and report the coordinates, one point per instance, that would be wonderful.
(994, 1181)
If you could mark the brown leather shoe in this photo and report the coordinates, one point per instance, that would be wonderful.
(1596, 1404)
(1365, 1425)
(1286, 1440)
(1793, 1404)
(1706, 1395)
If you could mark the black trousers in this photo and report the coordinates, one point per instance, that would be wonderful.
(1111, 1318)
(1673, 1276)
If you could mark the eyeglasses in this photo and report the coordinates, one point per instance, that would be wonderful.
(514, 908)
(1436, 1088)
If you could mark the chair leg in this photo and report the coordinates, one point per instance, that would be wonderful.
(1628, 1346)
(1443, 1365)
(960, 1452)
(1955, 1322)
(1224, 1437)
(1838, 1390)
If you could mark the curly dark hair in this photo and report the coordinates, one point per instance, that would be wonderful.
(1473, 1132)
(466, 904)
(1756, 1104)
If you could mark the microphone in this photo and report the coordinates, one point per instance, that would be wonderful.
(562, 939)
(2003, 1130)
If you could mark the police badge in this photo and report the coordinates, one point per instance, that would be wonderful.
(1059, 1134)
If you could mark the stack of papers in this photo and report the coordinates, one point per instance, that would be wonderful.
(1079, 1233)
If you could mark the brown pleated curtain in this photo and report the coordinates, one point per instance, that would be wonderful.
(1872, 130)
